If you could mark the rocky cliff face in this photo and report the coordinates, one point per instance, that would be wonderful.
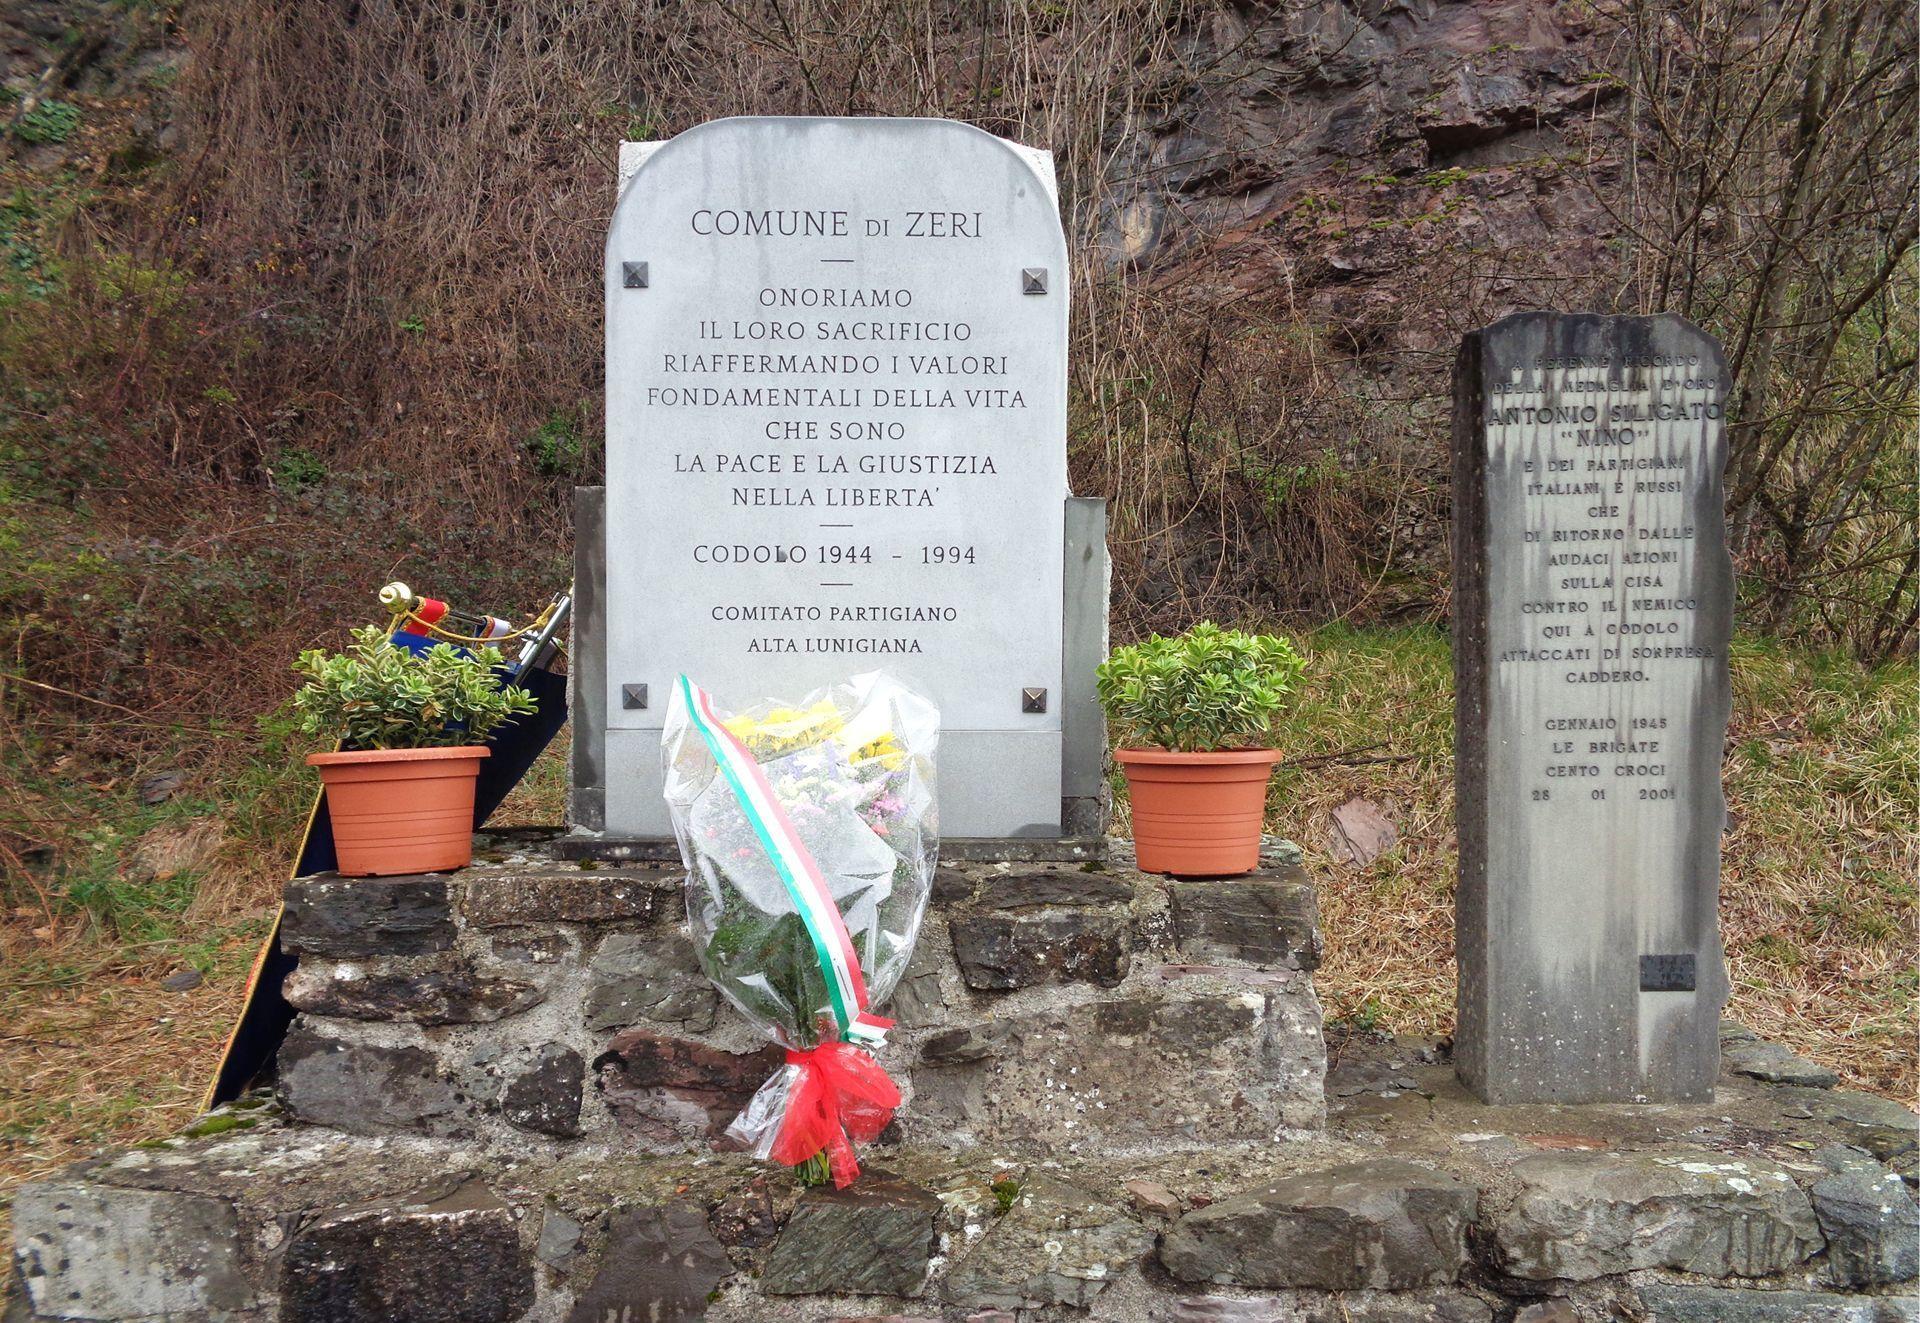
(1336, 194)
(1346, 157)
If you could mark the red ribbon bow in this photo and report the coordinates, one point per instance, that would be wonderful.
(839, 1093)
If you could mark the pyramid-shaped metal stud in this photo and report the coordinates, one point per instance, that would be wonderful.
(1033, 700)
(633, 696)
(1033, 280)
(633, 275)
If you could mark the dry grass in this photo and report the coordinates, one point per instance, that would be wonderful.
(94, 1052)
(1818, 901)
(1372, 696)
(102, 897)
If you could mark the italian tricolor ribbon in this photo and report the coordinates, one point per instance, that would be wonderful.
(832, 946)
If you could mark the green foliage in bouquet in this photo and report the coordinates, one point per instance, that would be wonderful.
(786, 984)
(1198, 692)
(378, 696)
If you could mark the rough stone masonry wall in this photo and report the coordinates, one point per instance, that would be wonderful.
(1047, 1008)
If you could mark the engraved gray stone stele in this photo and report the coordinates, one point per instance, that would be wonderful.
(1593, 601)
(836, 442)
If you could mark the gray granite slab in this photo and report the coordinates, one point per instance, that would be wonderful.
(1593, 600)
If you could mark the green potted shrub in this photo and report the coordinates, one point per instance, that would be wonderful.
(411, 727)
(1192, 717)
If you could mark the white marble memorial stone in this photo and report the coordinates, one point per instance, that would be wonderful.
(1593, 600)
(836, 441)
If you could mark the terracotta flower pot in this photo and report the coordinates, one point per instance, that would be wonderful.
(1197, 814)
(401, 810)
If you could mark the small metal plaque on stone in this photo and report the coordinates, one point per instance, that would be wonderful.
(1667, 973)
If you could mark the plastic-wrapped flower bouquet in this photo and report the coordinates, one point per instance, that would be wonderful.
(809, 835)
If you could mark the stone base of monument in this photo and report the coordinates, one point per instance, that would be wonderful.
(1777, 1203)
(1047, 1008)
(503, 1095)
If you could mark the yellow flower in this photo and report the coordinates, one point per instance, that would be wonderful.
(883, 747)
(785, 729)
